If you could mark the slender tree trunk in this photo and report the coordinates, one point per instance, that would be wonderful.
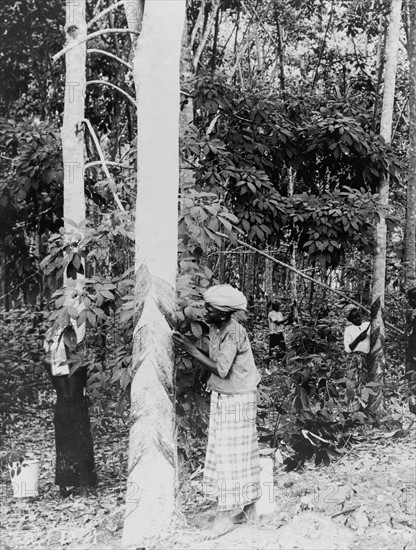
(280, 55)
(134, 17)
(72, 128)
(259, 47)
(410, 240)
(293, 276)
(380, 67)
(323, 45)
(406, 19)
(3, 288)
(205, 35)
(215, 43)
(249, 283)
(268, 279)
(378, 355)
(72, 134)
(152, 450)
(198, 23)
(186, 116)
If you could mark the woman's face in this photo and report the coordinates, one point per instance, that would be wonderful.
(355, 317)
(213, 316)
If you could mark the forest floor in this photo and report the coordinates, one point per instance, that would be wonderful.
(364, 500)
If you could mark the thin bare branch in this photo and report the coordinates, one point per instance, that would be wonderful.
(104, 12)
(108, 54)
(89, 37)
(106, 83)
(109, 163)
(20, 284)
(401, 115)
(103, 162)
(96, 50)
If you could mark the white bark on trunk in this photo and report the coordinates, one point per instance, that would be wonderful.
(134, 17)
(187, 178)
(410, 249)
(293, 276)
(378, 357)
(150, 494)
(268, 280)
(72, 128)
(72, 134)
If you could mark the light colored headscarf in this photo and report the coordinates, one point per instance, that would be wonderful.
(225, 298)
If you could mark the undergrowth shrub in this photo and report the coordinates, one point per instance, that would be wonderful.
(22, 374)
(312, 404)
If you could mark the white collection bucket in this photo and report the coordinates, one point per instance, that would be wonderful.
(26, 483)
(266, 503)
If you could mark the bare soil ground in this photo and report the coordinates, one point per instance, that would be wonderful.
(364, 501)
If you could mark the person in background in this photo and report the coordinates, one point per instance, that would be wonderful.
(411, 349)
(232, 462)
(75, 465)
(357, 346)
(276, 328)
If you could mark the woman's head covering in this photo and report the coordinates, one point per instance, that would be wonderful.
(225, 298)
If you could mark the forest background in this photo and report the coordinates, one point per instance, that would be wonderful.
(284, 162)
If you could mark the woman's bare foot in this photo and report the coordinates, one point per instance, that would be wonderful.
(248, 515)
(221, 526)
(240, 518)
(250, 511)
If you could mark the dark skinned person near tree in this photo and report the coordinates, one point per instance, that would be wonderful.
(357, 346)
(277, 325)
(232, 464)
(74, 465)
(276, 328)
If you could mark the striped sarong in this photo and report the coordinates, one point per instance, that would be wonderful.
(357, 375)
(232, 464)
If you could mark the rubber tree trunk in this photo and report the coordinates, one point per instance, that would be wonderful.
(378, 352)
(268, 280)
(250, 285)
(293, 275)
(186, 172)
(72, 134)
(280, 55)
(410, 240)
(150, 494)
(381, 51)
(133, 10)
(206, 32)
